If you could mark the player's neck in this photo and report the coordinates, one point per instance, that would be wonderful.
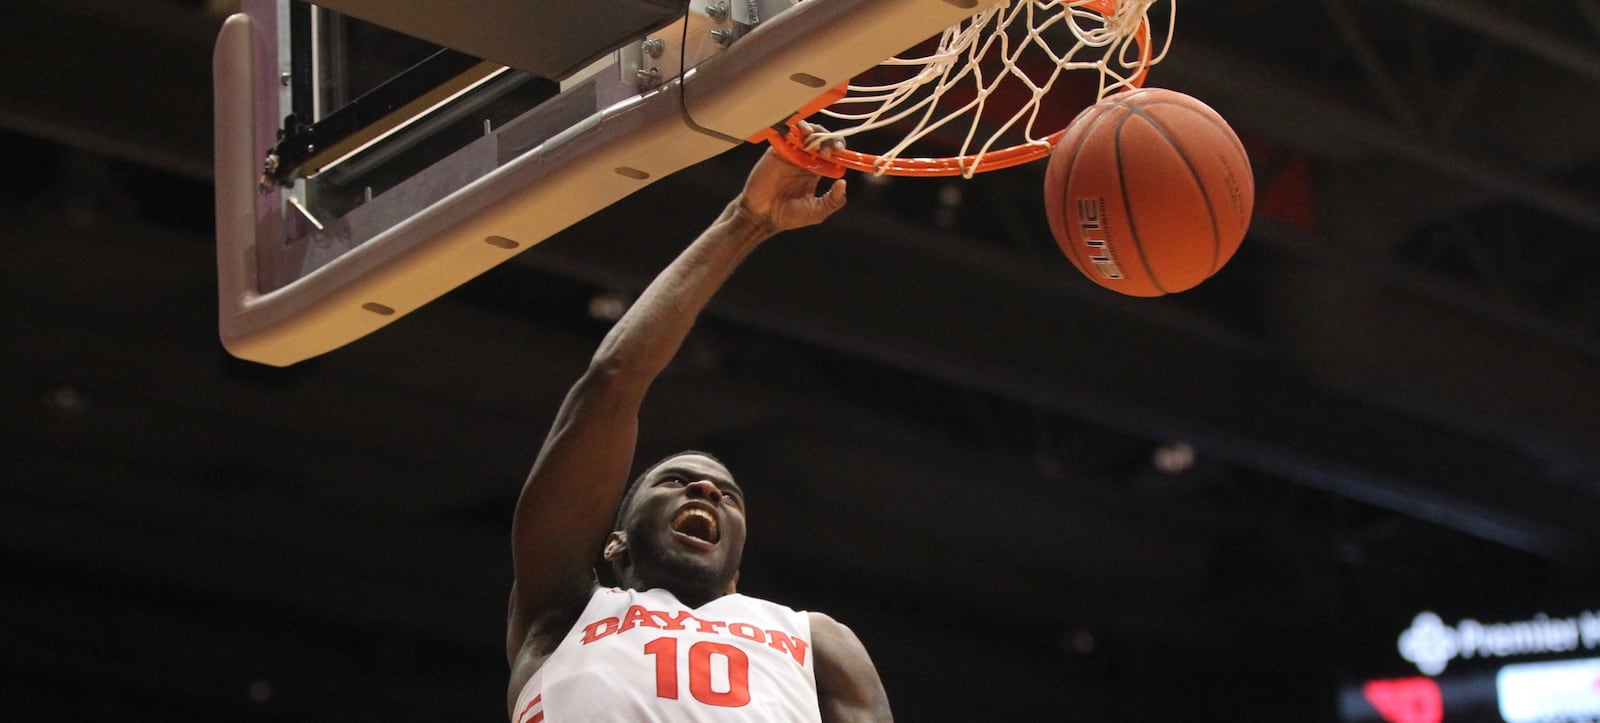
(695, 600)
(692, 596)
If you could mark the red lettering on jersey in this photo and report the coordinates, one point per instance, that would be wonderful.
(746, 631)
(786, 643)
(640, 617)
(599, 629)
(636, 617)
(709, 626)
(671, 623)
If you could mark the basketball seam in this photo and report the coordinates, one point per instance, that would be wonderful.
(1205, 191)
(1127, 205)
(1194, 175)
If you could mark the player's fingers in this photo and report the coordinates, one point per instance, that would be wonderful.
(829, 144)
(821, 207)
(835, 197)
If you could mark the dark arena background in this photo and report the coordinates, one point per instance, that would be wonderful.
(1353, 477)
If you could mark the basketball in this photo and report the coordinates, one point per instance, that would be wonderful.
(1149, 192)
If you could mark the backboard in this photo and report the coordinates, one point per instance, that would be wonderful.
(362, 172)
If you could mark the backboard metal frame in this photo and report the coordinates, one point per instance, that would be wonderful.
(292, 286)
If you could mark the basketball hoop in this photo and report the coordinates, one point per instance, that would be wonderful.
(1000, 75)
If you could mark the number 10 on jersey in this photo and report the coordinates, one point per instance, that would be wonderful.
(703, 660)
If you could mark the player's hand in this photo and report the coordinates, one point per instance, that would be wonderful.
(784, 196)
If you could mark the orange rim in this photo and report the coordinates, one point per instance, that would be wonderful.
(792, 147)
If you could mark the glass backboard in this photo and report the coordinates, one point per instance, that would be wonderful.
(363, 171)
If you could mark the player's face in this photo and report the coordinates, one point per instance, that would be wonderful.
(686, 528)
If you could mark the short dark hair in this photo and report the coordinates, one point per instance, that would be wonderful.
(633, 487)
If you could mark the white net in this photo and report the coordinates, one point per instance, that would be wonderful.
(980, 94)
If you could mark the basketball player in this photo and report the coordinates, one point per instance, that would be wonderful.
(675, 642)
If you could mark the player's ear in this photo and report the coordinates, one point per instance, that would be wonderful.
(616, 546)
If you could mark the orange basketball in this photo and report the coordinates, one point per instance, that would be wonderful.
(1149, 192)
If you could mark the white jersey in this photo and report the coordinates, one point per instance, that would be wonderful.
(645, 657)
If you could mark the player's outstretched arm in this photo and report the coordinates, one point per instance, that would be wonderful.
(570, 498)
(848, 687)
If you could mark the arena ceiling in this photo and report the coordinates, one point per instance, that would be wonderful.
(953, 443)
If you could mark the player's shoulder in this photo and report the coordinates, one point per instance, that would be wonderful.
(847, 681)
(825, 624)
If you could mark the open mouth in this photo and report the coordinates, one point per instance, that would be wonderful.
(697, 523)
